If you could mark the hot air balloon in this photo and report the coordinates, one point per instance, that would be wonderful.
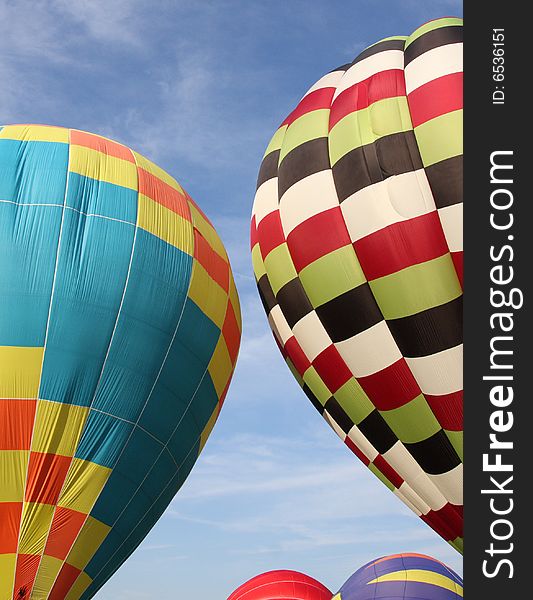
(403, 577)
(286, 585)
(119, 332)
(356, 242)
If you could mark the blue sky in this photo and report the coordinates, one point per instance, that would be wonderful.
(199, 87)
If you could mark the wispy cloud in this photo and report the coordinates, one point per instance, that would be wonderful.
(155, 547)
(296, 503)
(198, 119)
(253, 468)
(118, 22)
(59, 37)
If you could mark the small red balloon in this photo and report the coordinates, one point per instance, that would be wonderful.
(281, 585)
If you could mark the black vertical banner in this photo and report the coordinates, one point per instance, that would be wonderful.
(498, 129)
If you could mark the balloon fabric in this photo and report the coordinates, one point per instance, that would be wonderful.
(356, 240)
(119, 332)
(282, 584)
(403, 577)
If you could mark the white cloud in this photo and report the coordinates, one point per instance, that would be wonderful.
(118, 21)
(197, 118)
(155, 547)
(61, 35)
(296, 501)
(253, 467)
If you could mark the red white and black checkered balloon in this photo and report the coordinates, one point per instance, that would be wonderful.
(357, 250)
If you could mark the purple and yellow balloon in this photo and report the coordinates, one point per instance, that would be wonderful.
(403, 577)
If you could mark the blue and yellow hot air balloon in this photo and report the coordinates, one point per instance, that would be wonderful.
(403, 577)
(119, 332)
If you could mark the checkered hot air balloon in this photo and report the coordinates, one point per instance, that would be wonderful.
(119, 332)
(283, 584)
(403, 577)
(356, 242)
